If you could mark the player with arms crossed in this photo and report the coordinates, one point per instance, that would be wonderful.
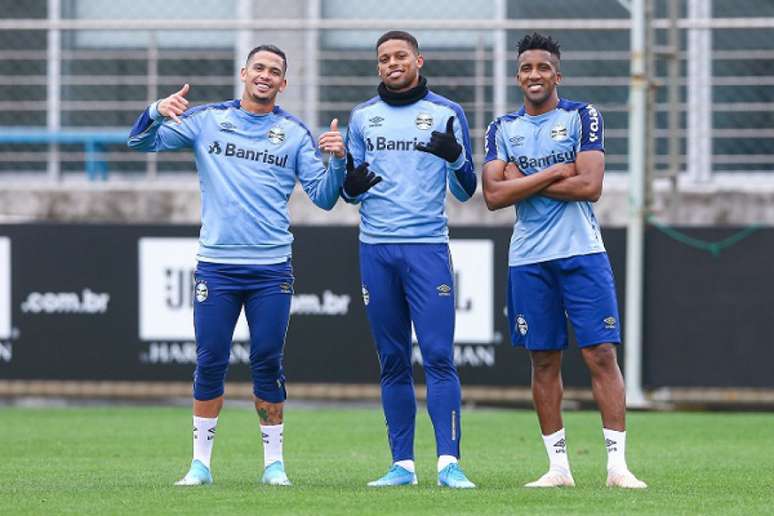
(249, 154)
(419, 143)
(558, 267)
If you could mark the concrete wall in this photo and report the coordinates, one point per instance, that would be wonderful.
(737, 201)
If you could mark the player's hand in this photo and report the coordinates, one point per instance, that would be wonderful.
(175, 104)
(331, 141)
(359, 179)
(444, 145)
(512, 171)
(567, 170)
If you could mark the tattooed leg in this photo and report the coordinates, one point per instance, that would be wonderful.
(269, 413)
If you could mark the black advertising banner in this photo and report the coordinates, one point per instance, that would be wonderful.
(98, 302)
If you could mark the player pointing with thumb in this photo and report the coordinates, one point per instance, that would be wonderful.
(332, 141)
(444, 145)
(245, 246)
(359, 179)
(175, 104)
(405, 265)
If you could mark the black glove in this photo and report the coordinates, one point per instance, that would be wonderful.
(443, 145)
(359, 180)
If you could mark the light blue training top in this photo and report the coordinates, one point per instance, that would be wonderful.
(545, 228)
(408, 206)
(248, 165)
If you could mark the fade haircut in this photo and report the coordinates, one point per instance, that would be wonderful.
(401, 35)
(536, 41)
(274, 50)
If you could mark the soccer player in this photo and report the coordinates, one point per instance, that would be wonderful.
(547, 160)
(249, 154)
(418, 142)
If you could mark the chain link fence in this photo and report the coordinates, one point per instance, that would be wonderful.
(76, 73)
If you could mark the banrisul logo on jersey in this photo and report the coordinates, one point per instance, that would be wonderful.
(474, 336)
(6, 329)
(526, 162)
(233, 151)
(381, 143)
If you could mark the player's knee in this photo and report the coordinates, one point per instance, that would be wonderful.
(270, 389)
(209, 381)
(601, 357)
(268, 376)
(265, 366)
(394, 369)
(438, 359)
(545, 364)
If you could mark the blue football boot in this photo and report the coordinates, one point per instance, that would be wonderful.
(453, 476)
(397, 476)
(198, 475)
(274, 475)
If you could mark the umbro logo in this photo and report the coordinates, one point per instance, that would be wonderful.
(444, 290)
(376, 121)
(214, 148)
(561, 443)
(609, 322)
(517, 141)
(227, 126)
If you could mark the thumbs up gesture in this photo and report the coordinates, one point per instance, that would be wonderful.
(175, 104)
(332, 141)
(443, 144)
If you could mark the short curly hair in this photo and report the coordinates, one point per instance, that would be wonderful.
(537, 41)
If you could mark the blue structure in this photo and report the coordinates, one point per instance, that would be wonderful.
(92, 140)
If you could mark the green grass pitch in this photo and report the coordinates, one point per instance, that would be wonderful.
(123, 460)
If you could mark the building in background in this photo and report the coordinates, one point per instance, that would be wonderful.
(75, 73)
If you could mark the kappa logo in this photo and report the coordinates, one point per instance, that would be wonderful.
(444, 290)
(376, 121)
(521, 324)
(366, 295)
(276, 135)
(610, 322)
(214, 148)
(558, 133)
(593, 123)
(201, 291)
(424, 121)
(517, 141)
(227, 126)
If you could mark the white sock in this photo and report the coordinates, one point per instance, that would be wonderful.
(616, 449)
(408, 465)
(556, 448)
(203, 438)
(272, 443)
(445, 460)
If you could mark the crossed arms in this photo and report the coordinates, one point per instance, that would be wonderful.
(505, 185)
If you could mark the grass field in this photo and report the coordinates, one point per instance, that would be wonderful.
(124, 460)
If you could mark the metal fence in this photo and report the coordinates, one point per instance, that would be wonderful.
(76, 73)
